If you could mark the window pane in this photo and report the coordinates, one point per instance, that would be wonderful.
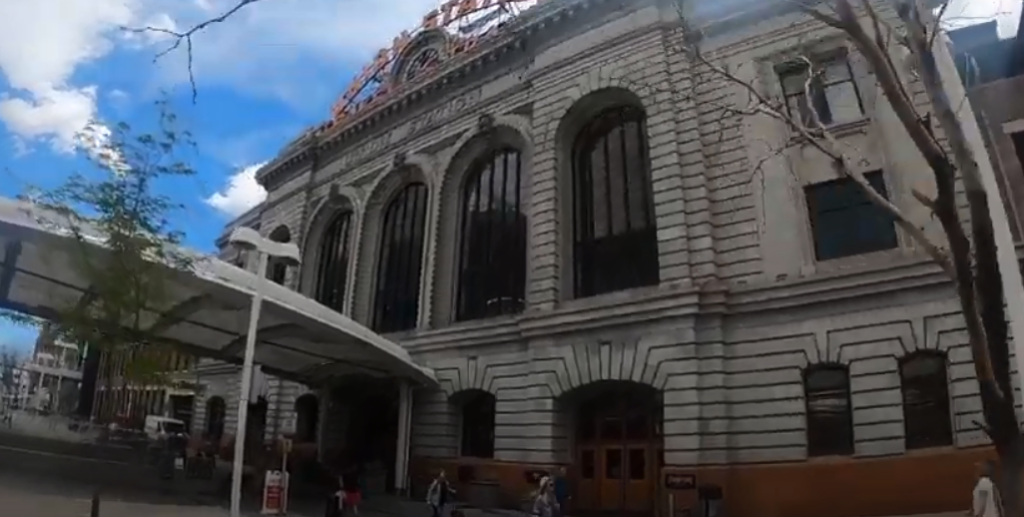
(926, 411)
(637, 427)
(611, 429)
(613, 464)
(332, 267)
(637, 464)
(615, 244)
(843, 102)
(399, 267)
(794, 79)
(599, 189)
(829, 416)
(834, 71)
(616, 172)
(493, 249)
(844, 222)
(637, 185)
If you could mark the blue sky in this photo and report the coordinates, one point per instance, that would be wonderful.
(271, 71)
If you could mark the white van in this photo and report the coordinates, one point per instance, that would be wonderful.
(157, 427)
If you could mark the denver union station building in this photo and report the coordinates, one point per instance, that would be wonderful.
(609, 271)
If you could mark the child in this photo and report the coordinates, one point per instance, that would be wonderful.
(350, 487)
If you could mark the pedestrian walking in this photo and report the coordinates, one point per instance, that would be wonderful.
(438, 494)
(353, 492)
(543, 502)
(560, 489)
(987, 502)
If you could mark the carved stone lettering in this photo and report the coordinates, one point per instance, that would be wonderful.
(443, 112)
(436, 115)
(366, 149)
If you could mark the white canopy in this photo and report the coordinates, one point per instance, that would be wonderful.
(299, 339)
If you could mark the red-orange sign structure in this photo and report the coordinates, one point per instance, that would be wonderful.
(373, 83)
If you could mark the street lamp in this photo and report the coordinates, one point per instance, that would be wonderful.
(247, 239)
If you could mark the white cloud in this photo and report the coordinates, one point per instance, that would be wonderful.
(41, 45)
(240, 194)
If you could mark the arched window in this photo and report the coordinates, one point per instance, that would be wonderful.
(925, 388)
(829, 415)
(216, 410)
(492, 254)
(332, 262)
(615, 237)
(396, 302)
(477, 424)
(277, 270)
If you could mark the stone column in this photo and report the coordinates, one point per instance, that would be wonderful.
(404, 434)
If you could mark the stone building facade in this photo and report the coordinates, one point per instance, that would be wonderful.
(669, 293)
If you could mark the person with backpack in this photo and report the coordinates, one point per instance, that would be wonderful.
(438, 494)
(987, 502)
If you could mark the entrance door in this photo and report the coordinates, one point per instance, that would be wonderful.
(616, 447)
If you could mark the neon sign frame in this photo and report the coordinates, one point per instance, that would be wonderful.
(377, 71)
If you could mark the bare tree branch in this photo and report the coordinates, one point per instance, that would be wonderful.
(186, 37)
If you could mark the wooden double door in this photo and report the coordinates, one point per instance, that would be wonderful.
(617, 456)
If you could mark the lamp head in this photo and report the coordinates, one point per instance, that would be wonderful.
(245, 239)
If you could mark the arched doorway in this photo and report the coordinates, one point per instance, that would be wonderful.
(307, 418)
(617, 448)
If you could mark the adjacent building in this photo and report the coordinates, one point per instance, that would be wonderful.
(612, 271)
(51, 377)
(131, 384)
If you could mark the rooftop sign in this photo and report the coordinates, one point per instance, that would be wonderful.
(464, 21)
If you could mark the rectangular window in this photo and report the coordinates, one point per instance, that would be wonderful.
(844, 222)
(833, 92)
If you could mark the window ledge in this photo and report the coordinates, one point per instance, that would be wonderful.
(840, 130)
(859, 261)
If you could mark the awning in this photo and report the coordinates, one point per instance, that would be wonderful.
(299, 339)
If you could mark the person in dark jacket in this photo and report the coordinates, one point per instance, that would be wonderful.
(560, 487)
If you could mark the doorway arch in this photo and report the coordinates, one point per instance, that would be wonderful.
(617, 447)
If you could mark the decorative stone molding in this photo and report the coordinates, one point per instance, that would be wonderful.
(604, 78)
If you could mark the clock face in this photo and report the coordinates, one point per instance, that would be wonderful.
(421, 61)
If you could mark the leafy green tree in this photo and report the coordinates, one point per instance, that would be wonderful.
(121, 240)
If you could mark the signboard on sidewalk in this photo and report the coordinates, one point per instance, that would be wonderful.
(275, 493)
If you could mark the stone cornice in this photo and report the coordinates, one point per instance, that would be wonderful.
(646, 306)
(511, 39)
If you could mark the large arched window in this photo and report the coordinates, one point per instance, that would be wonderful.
(925, 388)
(216, 411)
(615, 243)
(492, 253)
(397, 297)
(829, 415)
(477, 430)
(332, 262)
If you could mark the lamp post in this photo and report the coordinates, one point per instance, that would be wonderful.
(247, 239)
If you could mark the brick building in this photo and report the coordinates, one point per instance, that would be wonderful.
(609, 271)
